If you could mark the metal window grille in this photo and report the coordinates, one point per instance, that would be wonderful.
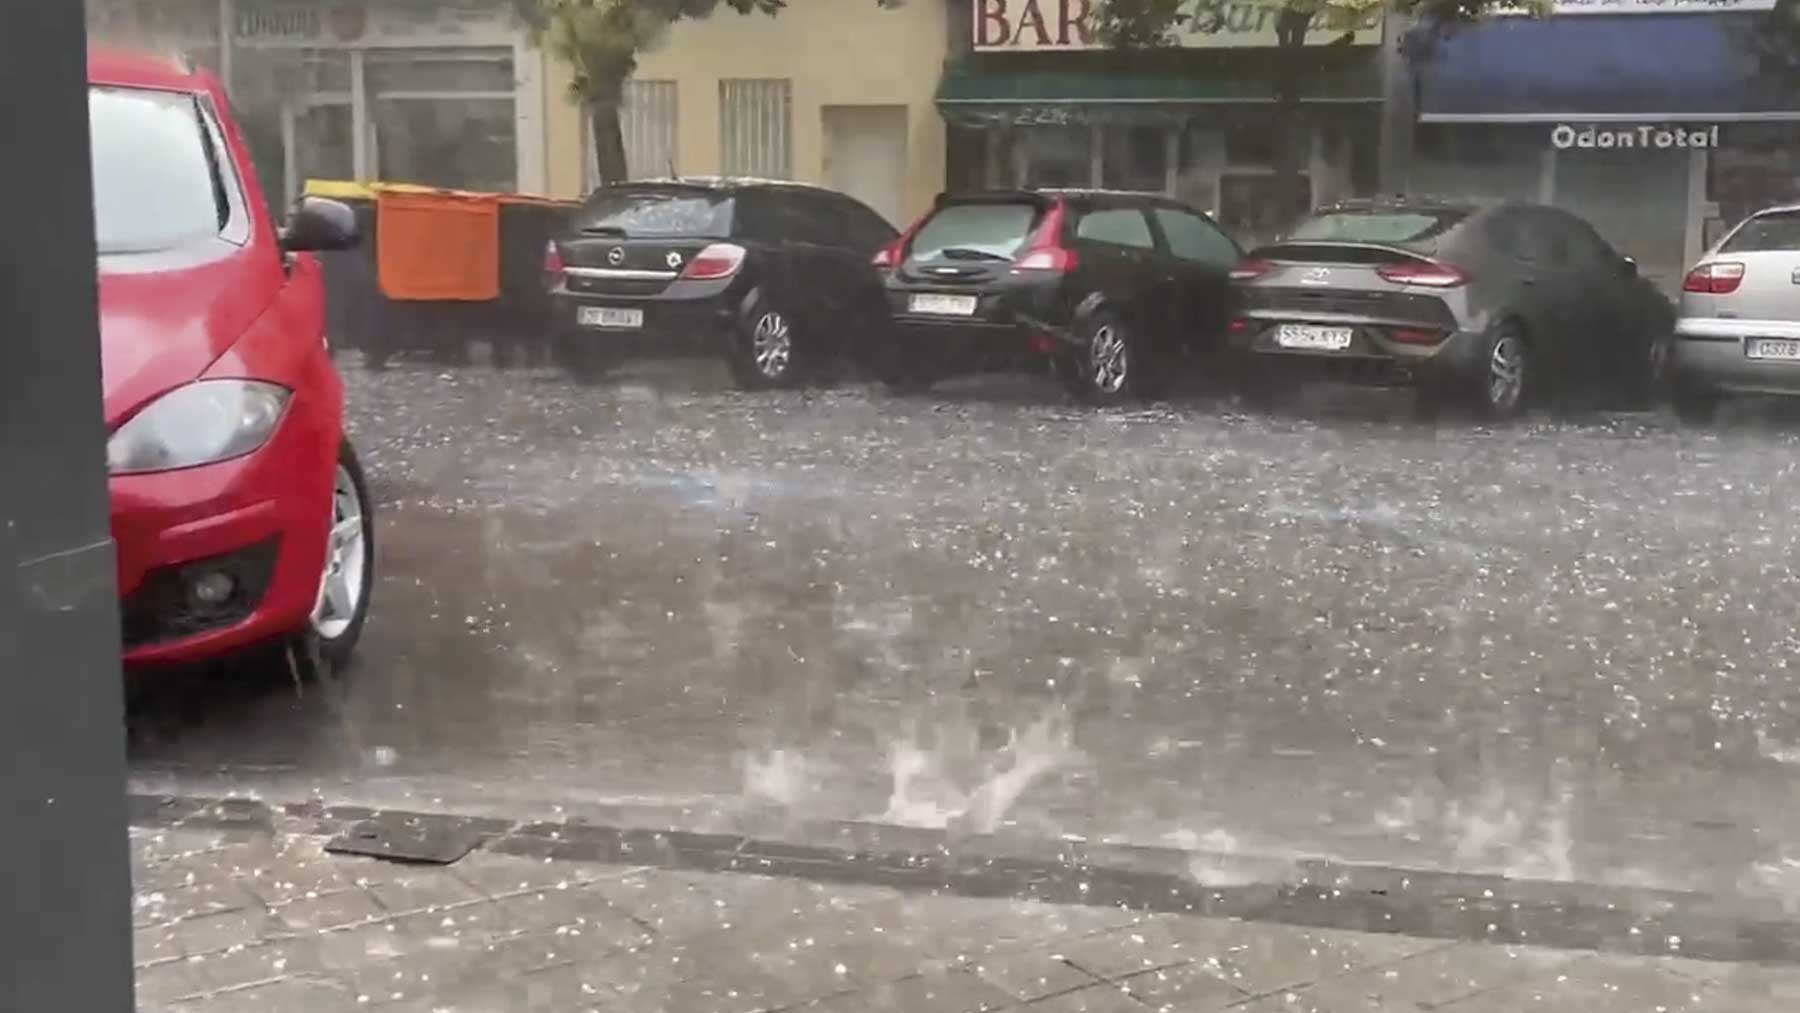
(756, 128)
(647, 119)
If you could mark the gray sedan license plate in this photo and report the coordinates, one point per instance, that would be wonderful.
(1773, 348)
(611, 318)
(1312, 337)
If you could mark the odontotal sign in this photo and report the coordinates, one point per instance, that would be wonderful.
(1025, 25)
(1566, 136)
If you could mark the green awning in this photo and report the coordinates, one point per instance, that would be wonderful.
(985, 89)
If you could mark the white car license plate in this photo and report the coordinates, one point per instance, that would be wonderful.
(943, 305)
(1312, 337)
(1771, 348)
(610, 318)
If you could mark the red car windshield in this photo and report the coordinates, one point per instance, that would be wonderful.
(155, 187)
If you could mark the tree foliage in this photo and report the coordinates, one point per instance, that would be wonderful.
(600, 41)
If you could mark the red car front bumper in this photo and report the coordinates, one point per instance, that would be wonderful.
(263, 519)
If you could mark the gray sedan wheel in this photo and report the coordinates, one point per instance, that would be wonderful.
(1504, 376)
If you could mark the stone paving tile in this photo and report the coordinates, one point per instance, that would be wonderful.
(329, 910)
(293, 995)
(1191, 986)
(950, 992)
(579, 910)
(187, 870)
(551, 990)
(1098, 999)
(210, 895)
(1260, 958)
(1602, 983)
(239, 966)
(1031, 974)
(456, 969)
(422, 890)
(499, 875)
(303, 871)
(1437, 976)
(208, 933)
(719, 971)
(158, 986)
(1596, 984)
(154, 945)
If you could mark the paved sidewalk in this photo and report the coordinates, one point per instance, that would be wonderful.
(269, 922)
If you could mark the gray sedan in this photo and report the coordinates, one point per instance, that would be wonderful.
(1490, 305)
(1739, 326)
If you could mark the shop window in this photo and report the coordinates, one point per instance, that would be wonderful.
(1250, 207)
(756, 128)
(1199, 158)
(1251, 142)
(1757, 166)
(1135, 158)
(443, 118)
(1055, 156)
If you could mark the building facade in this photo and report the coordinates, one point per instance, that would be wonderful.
(1662, 122)
(1037, 100)
(437, 92)
(835, 92)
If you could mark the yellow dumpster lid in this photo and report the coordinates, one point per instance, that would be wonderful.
(339, 189)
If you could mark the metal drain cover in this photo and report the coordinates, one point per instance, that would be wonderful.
(433, 840)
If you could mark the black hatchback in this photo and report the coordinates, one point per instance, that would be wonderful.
(774, 277)
(1111, 289)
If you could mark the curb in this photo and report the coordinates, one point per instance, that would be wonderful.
(1310, 894)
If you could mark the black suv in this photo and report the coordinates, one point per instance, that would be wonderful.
(1110, 288)
(775, 277)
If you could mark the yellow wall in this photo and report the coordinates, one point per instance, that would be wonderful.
(564, 160)
(836, 52)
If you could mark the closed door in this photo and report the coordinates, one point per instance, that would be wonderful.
(1119, 259)
(1202, 258)
(865, 156)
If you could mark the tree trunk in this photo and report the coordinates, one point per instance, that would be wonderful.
(1293, 197)
(1399, 107)
(609, 142)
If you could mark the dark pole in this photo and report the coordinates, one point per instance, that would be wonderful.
(62, 739)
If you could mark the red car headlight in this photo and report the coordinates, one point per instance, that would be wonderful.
(201, 423)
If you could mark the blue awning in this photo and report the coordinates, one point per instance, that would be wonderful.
(1597, 67)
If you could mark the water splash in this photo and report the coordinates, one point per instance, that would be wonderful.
(781, 778)
(928, 791)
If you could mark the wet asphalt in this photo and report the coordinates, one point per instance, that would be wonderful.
(1562, 649)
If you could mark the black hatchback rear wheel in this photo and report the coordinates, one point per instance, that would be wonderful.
(765, 352)
(1108, 365)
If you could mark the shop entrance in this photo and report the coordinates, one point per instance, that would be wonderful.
(1637, 199)
(865, 156)
(317, 140)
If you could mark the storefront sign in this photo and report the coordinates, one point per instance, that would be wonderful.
(1566, 136)
(285, 23)
(1649, 7)
(1028, 25)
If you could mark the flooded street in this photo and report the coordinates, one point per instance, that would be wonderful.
(1561, 650)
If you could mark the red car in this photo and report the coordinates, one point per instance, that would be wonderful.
(240, 512)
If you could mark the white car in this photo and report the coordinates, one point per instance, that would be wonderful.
(1738, 327)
